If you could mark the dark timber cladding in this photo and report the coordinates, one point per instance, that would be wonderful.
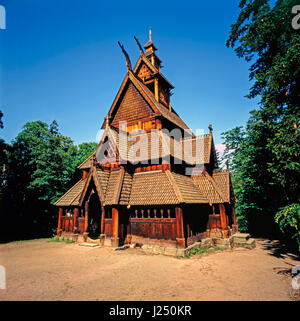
(178, 198)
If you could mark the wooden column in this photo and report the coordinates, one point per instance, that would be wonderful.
(84, 174)
(102, 235)
(156, 92)
(86, 220)
(115, 228)
(102, 220)
(225, 232)
(60, 213)
(75, 224)
(179, 228)
(234, 225)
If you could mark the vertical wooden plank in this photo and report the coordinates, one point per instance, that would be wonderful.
(115, 222)
(75, 224)
(59, 229)
(179, 228)
(223, 216)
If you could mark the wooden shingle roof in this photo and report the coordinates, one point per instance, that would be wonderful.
(188, 191)
(216, 188)
(114, 186)
(144, 146)
(148, 96)
(71, 197)
(87, 163)
(145, 189)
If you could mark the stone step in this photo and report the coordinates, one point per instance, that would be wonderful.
(89, 244)
(240, 237)
(250, 244)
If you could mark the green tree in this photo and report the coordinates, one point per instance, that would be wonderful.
(37, 174)
(266, 162)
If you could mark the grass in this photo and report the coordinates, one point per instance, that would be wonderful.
(57, 239)
(201, 250)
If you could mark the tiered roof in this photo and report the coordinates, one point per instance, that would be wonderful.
(119, 186)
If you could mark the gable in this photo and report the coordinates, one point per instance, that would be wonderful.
(132, 107)
(144, 72)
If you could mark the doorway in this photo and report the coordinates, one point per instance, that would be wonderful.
(95, 212)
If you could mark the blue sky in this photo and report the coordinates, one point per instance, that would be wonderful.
(60, 60)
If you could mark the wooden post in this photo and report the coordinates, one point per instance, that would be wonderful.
(102, 220)
(234, 226)
(59, 230)
(179, 228)
(102, 235)
(75, 224)
(156, 93)
(86, 221)
(84, 174)
(225, 231)
(115, 228)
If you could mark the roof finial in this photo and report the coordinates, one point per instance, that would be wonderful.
(150, 35)
(107, 121)
(210, 128)
(138, 43)
(128, 63)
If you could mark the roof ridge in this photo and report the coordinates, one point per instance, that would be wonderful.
(174, 185)
(87, 159)
(119, 187)
(68, 192)
(215, 185)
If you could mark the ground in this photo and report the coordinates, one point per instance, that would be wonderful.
(43, 270)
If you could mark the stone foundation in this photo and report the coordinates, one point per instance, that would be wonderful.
(234, 241)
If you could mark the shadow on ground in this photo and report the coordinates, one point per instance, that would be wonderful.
(279, 249)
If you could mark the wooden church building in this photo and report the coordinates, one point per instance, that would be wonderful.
(142, 185)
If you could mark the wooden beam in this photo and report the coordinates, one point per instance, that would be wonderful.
(115, 228)
(223, 216)
(179, 228)
(75, 224)
(156, 91)
(86, 220)
(60, 213)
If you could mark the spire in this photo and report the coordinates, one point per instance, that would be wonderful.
(210, 129)
(150, 52)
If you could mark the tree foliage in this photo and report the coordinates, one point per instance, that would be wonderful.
(40, 164)
(265, 163)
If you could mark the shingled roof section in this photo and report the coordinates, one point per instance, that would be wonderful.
(189, 193)
(206, 187)
(87, 163)
(157, 144)
(126, 189)
(114, 187)
(145, 189)
(71, 197)
(100, 178)
(222, 179)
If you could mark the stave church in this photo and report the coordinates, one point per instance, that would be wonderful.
(151, 180)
